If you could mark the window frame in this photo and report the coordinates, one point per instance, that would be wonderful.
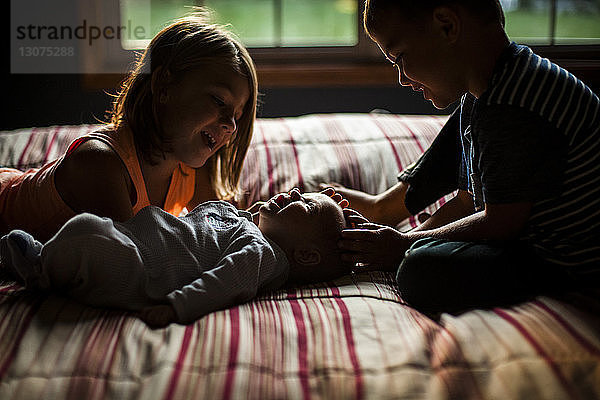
(334, 66)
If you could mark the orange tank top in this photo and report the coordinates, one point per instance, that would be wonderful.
(29, 200)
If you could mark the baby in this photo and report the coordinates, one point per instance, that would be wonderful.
(180, 269)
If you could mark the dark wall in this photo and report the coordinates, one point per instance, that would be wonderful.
(42, 100)
(298, 101)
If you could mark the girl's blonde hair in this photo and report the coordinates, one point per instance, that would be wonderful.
(187, 44)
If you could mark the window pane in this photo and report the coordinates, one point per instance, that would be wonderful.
(259, 23)
(528, 21)
(252, 20)
(319, 23)
(153, 15)
(578, 22)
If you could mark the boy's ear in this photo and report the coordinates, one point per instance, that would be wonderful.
(448, 22)
(307, 255)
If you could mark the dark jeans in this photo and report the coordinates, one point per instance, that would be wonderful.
(444, 276)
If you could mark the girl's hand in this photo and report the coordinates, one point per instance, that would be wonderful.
(365, 203)
(373, 246)
(158, 316)
(338, 198)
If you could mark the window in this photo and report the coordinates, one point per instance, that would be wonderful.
(318, 23)
(553, 22)
(260, 23)
(321, 42)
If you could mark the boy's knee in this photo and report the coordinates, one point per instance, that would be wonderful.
(417, 273)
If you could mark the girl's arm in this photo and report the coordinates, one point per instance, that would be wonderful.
(386, 208)
(94, 179)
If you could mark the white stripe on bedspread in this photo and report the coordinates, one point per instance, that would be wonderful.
(329, 343)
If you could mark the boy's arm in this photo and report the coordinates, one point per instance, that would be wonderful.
(432, 176)
(495, 222)
(456, 208)
(382, 246)
(249, 265)
(385, 208)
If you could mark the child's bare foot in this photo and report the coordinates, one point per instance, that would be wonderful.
(19, 257)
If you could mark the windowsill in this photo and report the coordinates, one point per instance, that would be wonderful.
(292, 75)
(345, 72)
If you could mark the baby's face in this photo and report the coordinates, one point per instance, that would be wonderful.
(291, 217)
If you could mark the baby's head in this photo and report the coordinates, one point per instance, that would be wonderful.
(307, 227)
(189, 45)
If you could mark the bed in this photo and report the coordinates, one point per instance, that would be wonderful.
(353, 338)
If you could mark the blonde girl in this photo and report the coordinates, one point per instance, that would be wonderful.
(178, 134)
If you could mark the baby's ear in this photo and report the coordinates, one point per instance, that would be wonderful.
(307, 255)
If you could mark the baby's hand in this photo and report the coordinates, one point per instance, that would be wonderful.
(158, 316)
(254, 207)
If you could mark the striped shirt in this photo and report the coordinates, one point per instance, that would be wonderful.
(534, 135)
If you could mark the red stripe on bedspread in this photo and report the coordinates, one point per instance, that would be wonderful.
(296, 158)
(415, 137)
(10, 288)
(583, 342)
(234, 317)
(538, 348)
(269, 164)
(97, 355)
(302, 347)
(50, 144)
(26, 148)
(348, 169)
(358, 380)
(17, 344)
(396, 155)
(185, 344)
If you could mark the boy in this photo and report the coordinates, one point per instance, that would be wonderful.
(526, 218)
(180, 269)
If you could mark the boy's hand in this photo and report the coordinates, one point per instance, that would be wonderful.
(354, 218)
(374, 246)
(158, 316)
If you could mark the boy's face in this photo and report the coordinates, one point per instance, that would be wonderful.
(290, 218)
(424, 55)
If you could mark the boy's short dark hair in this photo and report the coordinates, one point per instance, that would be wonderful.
(490, 10)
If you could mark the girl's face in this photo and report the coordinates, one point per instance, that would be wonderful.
(199, 113)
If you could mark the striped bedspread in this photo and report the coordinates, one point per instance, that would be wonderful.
(349, 339)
